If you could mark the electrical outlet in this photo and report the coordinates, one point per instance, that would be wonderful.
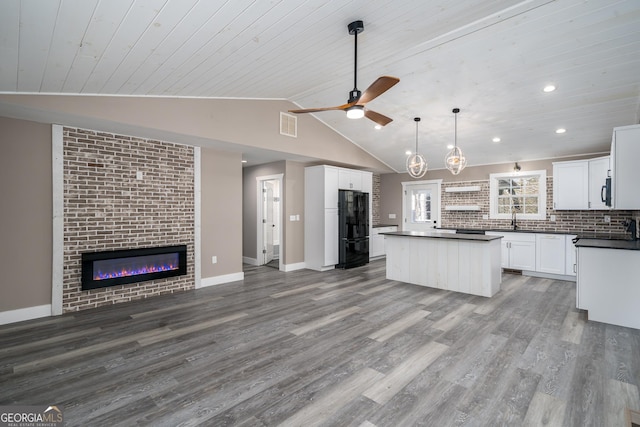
(485, 216)
(552, 217)
(392, 216)
(607, 219)
(214, 259)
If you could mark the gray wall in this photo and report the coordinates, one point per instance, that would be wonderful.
(26, 214)
(221, 212)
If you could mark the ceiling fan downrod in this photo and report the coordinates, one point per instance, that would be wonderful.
(355, 28)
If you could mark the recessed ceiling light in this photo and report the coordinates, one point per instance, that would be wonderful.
(408, 152)
(496, 139)
(549, 88)
(561, 130)
(449, 147)
(244, 161)
(378, 127)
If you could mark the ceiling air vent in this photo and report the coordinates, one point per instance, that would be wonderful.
(288, 125)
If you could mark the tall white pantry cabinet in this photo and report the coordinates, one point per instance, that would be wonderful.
(321, 185)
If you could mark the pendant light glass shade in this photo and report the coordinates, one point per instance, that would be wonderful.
(455, 160)
(416, 163)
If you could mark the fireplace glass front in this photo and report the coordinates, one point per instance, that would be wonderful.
(111, 268)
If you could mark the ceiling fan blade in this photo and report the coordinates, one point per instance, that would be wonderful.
(377, 88)
(315, 110)
(380, 119)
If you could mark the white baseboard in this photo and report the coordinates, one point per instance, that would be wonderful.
(12, 316)
(250, 261)
(549, 275)
(293, 267)
(218, 280)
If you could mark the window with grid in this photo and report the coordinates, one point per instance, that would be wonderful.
(523, 194)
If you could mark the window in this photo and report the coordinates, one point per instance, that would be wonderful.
(524, 194)
(421, 206)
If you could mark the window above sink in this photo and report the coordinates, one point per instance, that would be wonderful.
(519, 194)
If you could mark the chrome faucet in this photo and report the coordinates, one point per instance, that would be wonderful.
(513, 219)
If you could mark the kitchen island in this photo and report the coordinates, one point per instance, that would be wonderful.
(468, 263)
(608, 286)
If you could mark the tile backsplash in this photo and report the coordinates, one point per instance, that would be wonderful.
(570, 222)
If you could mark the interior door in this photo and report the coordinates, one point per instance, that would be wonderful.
(421, 206)
(268, 224)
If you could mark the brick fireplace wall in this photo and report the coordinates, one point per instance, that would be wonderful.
(106, 207)
(570, 222)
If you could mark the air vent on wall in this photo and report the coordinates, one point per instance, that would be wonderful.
(288, 125)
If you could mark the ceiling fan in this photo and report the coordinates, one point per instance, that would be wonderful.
(355, 106)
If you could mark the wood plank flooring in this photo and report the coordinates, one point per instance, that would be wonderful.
(339, 348)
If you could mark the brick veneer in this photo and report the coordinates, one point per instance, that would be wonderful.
(375, 199)
(107, 208)
(570, 222)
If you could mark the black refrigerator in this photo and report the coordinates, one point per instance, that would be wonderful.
(353, 228)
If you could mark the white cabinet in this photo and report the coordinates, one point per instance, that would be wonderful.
(518, 250)
(349, 179)
(625, 173)
(571, 185)
(598, 173)
(607, 285)
(577, 184)
(376, 241)
(331, 236)
(570, 268)
(550, 253)
(321, 187)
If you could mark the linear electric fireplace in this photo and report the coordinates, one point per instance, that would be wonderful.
(111, 268)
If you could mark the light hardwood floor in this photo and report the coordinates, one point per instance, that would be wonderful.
(340, 348)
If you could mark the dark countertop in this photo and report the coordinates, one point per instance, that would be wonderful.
(437, 235)
(509, 230)
(383, 225)
(633, 245)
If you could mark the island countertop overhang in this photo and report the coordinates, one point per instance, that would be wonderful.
(441, 235)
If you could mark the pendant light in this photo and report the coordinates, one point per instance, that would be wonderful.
(455, 160)
(416, 163)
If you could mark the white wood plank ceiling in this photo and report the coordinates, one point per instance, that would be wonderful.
(490, 58)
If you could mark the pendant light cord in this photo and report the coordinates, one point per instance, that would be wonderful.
(417, 120)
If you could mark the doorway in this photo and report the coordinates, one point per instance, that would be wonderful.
(421, 205)
(269, 227)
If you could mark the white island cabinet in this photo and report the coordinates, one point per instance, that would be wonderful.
(608, 286)
(468, 263)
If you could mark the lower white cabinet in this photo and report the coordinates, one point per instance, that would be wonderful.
(518, 250)
(376, 240)
(550, 253)
(571, 263)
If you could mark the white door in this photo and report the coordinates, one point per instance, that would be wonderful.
(268, 224)
(421, 205)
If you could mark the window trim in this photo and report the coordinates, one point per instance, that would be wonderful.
(542, 194)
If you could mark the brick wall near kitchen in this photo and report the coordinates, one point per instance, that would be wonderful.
(375, 199)
(570, 222)
(107, 208)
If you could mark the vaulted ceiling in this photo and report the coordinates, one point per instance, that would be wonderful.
(490, 58)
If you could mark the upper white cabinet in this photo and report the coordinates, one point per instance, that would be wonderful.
(349, 179)
(625, 173)
(577, 184)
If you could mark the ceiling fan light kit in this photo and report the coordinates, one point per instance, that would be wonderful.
(416, 163)
(355, 106)
(355, 112)
(455, 160)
